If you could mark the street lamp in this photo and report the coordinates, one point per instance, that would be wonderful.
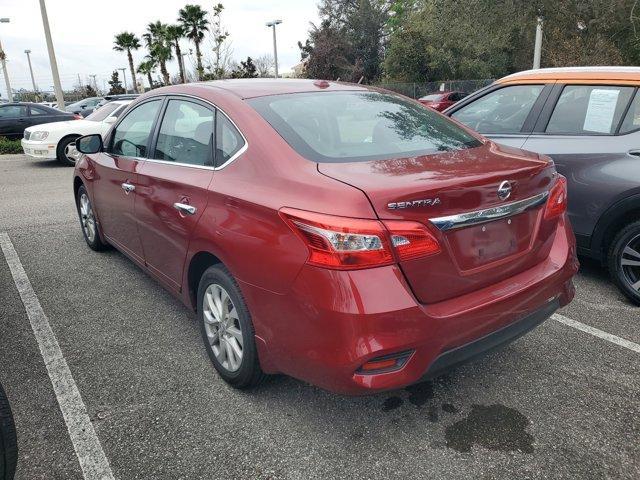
(4, 66)
(273, 24)
(33, 80)
(124, 76)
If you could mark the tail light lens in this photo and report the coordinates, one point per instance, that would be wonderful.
(344, 243)
(77, 116)
(557, 201)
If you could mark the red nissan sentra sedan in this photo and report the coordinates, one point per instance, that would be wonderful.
(343, 235)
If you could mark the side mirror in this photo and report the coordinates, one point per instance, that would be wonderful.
(110, 120)
(89, 144)
(83, 107)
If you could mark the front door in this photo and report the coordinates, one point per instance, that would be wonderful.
(116, 173)
(172, 191)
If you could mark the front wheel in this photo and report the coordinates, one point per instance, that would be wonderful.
(88, 221)
(66, 152)
(624, 261)
(227, 330)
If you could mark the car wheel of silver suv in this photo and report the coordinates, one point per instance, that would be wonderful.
(624, 261)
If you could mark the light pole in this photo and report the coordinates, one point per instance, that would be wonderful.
(124, 76)
(273, 24)
(537, 52)
(95, 85)
(33, 80)
(4, 66)
(52, 56)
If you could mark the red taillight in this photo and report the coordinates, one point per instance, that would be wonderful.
(411, 239)
(351, 243)
(557, 201)
(77, 116)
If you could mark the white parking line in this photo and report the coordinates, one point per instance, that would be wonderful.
(93, 461)
(596, 332)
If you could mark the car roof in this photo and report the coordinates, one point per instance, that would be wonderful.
(259, 87)
(575, 73)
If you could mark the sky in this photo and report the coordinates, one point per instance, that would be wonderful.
(83, 31)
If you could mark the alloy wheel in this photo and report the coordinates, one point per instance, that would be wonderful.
(630, 263)
(87, 218)
(71, 152)
(222, 326)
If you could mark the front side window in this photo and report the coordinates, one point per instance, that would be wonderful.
(501, 111)
(228, 140)
(13, 111)
(359, 126)
(131, 136)
(186, 134)
(589, 109)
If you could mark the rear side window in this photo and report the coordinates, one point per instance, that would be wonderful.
(186, 134)
(228, 140)
(589, 110)
(631, 120)
(131, 135)
(38, 111)
(501, 111)
(359, 126)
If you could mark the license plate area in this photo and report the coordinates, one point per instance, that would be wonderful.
(483, 244)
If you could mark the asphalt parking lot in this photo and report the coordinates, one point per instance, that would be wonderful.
(558, 403)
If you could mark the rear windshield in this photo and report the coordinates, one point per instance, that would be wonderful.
(102, 112)
(359, 126)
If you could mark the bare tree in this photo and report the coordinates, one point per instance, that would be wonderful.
(265, 65)
(219, 63)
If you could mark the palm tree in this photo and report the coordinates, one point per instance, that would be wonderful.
(147, 67)
(193, 19)
(174, 33)
(125, 42)
(158, 46)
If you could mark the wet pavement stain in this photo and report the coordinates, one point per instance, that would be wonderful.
(449, 408)
(494, 427)
(391, 403)
(420, 393)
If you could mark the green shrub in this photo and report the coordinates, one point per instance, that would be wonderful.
(9, 146)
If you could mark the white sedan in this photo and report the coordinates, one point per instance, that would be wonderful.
(58, 140)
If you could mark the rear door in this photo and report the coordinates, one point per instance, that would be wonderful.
(116, 173)
(505, 114)
(591, 132)
(173, 185)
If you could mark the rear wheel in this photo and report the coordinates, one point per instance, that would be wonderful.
(8, 441)
(66, 151)
(624, 261)
(88, 221)
(227, 330)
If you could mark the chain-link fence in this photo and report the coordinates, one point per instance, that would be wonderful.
(417, 90)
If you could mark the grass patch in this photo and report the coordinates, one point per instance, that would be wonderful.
(9, 146)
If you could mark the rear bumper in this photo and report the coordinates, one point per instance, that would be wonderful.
(332, 322)
(44, 150)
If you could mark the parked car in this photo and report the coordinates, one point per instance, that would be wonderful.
(84, 107)
(587, 120)
(111, 98)
(58, 140)
(8, 441)
(15, 117)
(442, 100)
(332, 232)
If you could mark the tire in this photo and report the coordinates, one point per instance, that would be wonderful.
(88, 222)
(245, 373)
(623, 253)
(61, 151)
(8, 440)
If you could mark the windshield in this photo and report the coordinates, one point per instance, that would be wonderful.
(359, 126)
(102, 112)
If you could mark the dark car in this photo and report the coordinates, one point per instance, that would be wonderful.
(8, 441)
(111, 98)
(588, 120)
(84, 107)
(342, 235)
(442, 100)
(15, 117)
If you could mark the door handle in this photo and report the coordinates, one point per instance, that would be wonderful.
(128, 188)
(184, 208)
